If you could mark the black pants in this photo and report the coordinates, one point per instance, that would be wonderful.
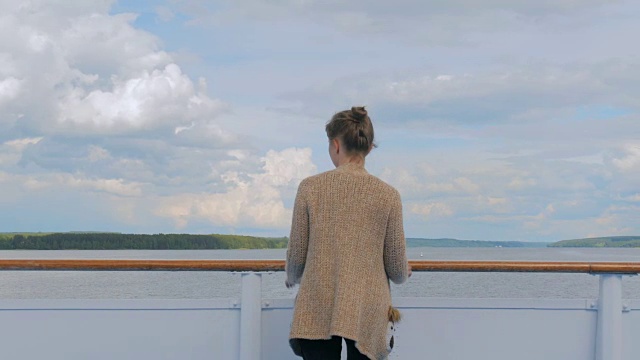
(329, 349)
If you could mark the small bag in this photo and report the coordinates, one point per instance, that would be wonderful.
(394, 317)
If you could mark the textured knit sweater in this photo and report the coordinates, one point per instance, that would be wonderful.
(347, 241)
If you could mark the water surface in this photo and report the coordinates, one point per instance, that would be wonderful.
(202, 285)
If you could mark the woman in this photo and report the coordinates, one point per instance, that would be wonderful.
(347, 241)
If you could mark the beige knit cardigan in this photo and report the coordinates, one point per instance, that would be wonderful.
(347, 241)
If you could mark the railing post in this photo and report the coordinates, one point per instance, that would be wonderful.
(609, 327)
(251, 316)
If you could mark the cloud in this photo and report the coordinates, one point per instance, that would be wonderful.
(96, 73)
(517, 113)
(164, 13)
(634, 197)
(496, 201)
(380, 16)
(100, 83)
(20, 144)
(9, 89)
(631, 159)
(56, 181)
(11, 151)
(520, 183)
(93, 107)
(432, 209)
(112, 186)
(161, 98)
(525, 197)
(525, 94)
(250, 200)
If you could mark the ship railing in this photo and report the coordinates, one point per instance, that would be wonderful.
(609, 306)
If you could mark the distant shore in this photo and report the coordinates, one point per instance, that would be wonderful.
(446, 242)
(601, 242)
(119, 241)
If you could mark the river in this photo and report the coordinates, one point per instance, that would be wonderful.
(203, 285)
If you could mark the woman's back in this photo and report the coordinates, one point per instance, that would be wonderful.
(347, 242)
(352, 225)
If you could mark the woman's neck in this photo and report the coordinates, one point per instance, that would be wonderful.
(356, 160)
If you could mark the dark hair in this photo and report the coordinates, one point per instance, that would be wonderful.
(354, 128)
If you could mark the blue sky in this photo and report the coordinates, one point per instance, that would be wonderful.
(496, 120)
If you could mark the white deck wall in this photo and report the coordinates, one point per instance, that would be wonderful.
(443, 329)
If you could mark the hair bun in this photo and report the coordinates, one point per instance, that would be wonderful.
(359, 113)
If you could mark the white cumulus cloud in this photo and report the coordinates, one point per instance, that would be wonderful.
(162, 97)
(252, 200)
(630, 160)
(9, 89)
(77, 68)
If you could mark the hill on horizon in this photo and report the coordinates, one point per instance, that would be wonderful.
(448, 242)
(105, 240)
(606, 241)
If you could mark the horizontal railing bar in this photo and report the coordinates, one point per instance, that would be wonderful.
(528, 266)
(142, 265)
(278, 265)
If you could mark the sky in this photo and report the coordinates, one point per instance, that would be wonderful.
(495, 120)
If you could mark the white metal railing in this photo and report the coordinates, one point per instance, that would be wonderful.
(609, 327)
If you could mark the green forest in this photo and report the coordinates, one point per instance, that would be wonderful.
(416, 242)
(610, 241)
(118, 241)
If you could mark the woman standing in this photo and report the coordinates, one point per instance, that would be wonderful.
(347, 241)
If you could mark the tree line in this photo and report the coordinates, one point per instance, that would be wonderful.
(611, 241)
(446, 242)
(117, 241)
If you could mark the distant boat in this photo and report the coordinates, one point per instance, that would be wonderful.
(421, 254)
